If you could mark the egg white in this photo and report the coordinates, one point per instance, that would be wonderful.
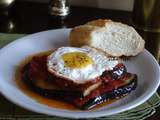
(100, 63)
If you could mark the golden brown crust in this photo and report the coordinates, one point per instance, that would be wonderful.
(99, 22)
(80, 35)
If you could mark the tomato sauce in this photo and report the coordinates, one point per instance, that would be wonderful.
(41, 99)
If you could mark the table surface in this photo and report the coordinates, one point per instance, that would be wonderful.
(28, 18)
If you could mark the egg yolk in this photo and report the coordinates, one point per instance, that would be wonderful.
(76, 59)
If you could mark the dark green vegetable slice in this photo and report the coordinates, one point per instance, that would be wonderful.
(122, 91)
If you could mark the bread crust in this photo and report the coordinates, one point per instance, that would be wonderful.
(80, 35)
(99, 22)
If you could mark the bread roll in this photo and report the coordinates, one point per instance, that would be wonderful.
(115, 38)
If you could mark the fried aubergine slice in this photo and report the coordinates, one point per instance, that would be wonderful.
(115, 84)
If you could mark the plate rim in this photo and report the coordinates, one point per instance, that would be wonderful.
(69, 114)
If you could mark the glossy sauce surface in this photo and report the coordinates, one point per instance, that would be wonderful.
(46, 101)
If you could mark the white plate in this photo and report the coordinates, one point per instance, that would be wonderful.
(144, 65)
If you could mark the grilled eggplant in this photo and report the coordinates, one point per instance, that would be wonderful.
(128, 86)
(115, 84)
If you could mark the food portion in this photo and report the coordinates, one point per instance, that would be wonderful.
(79, 65)
(83, 76)
(90, 73)
(115, 38)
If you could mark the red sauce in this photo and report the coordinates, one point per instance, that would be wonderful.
(49, 102)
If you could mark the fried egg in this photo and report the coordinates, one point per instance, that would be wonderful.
(79, 64)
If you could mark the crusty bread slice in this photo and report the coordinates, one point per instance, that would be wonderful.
(115, 38)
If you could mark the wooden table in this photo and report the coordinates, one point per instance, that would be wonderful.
(27, 17)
